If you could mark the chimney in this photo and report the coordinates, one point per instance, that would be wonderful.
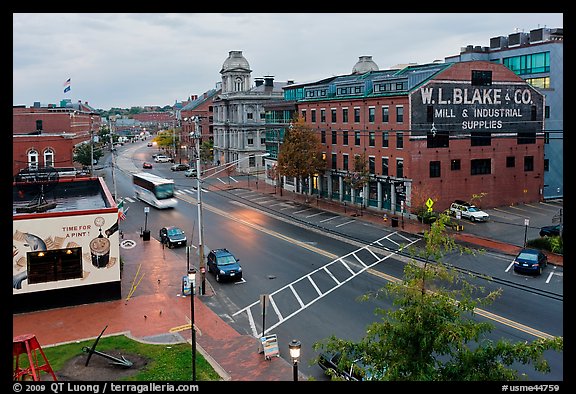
(290, 82)
(268, 80)
(258, 81)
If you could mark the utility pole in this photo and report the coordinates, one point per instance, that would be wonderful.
(202, 264)
(113, 159)
(91, 147)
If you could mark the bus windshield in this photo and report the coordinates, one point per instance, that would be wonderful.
(164, 191)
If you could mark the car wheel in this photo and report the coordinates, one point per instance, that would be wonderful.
(170, 246)
(217, 277)
(472, 218)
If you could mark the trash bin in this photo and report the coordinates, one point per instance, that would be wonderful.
(146, 235)
(394, 222)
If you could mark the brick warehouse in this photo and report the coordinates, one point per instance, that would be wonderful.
(443, 131)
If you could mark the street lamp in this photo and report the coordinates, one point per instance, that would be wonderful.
(294, 347)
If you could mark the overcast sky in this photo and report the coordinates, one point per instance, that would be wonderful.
(127, 60)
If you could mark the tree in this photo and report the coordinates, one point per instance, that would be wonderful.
(360, 175)
(431, 335)
(83, 153)
(300, 154)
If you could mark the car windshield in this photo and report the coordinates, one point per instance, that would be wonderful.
(527, 257)
(473, 209)
(226, 260)
(174, 231)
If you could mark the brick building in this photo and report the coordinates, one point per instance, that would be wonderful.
(443, 131)
(46, 136)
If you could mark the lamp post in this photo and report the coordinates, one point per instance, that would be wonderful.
(295, 347)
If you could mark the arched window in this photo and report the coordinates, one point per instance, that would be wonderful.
(49, 157)
(238, 85)
(33, 159)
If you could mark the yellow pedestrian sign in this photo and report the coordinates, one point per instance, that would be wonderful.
(429, 204)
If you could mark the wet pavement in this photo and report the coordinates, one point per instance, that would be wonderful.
(152, 308)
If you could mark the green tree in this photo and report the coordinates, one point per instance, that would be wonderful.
(300, 154)
(431, 335)
(83, 153)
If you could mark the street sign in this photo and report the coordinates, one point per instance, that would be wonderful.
(429, 203)
(146, 209)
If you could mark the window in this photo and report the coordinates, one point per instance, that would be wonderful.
(384, 139)
(510, 161)
(357, 138)
(334, 161)
(455, 164)
(304, 114)
(400, 168)
(399, 139)
(334, 138)
(344, 115)
(54, 265)
(372, 138)
(546, 165)
(529, 64)
(480, 138)
(481, 77)
(539, 83)
(528, 163)
(49, 158)
(250, 141)
(249, 115)
(437, 139)
(345, 137)
(480, 166)
(313, 115)
(385, 115)
(547, 111)
(323, 136)
(356, 115)
(39, 125)
(399, 114)
(526, 138)
(345, 162)
(333, 110)
(33, 159)
(434, 169)
(322, 115)
(372, 165)
(371, 114)
(385, 166)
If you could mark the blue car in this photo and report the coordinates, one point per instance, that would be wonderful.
(531, 261)
(224, 265)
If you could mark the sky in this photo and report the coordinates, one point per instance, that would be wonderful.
(123, 60)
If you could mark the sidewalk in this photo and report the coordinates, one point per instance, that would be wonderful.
(155, 313)
(153, 310)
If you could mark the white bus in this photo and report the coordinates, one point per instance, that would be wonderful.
(154, 190)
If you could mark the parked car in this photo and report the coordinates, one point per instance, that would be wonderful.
(146, 165)
(468, 211)
(190, 172)
(356, 371)
(224, 265)
(149, 144)
(180, 167)
(172, 236)
(530, 261)
(163, 159)
(550, 231)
